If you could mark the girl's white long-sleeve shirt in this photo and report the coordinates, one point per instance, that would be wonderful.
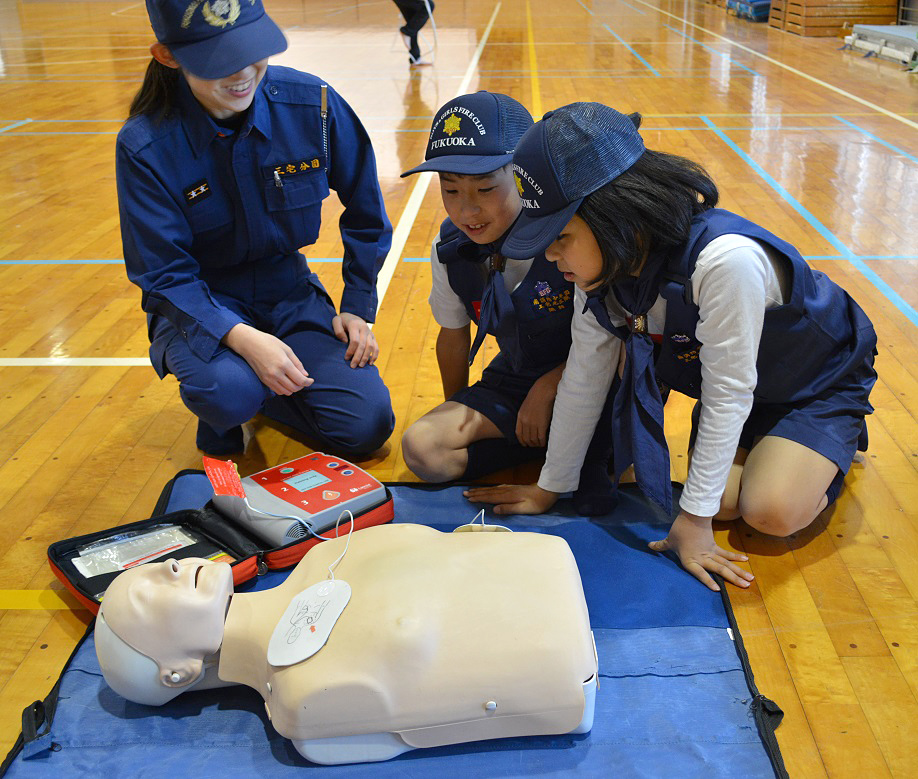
(734, 282)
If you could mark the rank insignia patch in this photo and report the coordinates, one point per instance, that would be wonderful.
(197, 192)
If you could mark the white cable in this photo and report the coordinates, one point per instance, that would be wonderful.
(331, 568)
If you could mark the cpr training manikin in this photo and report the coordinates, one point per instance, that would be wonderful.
(443, 638)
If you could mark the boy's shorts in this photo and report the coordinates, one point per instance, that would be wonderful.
(499, 394)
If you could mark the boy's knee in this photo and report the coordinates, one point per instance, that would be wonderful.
(422, 452)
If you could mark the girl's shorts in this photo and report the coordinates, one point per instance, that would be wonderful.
(832, 423)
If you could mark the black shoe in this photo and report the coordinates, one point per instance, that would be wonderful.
(211, 442)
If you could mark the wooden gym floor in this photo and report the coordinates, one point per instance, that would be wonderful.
(818, 145)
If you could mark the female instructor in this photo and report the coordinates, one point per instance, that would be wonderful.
(222, 167)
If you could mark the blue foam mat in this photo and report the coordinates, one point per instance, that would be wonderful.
(673, 700)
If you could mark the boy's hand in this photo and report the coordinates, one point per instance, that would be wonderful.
(362, 348)
(514, 498)
(534, 417)
(692, 539)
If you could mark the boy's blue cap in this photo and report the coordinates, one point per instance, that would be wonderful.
(572, 152)
(215, 38)
(474, 134)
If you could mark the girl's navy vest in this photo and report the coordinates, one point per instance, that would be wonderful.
(537, 336)
(819, 336)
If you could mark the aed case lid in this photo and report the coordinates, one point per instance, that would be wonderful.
(316, 488)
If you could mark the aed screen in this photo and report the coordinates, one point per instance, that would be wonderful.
(307, 480)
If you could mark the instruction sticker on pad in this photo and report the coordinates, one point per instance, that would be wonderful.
(308, 621)
(223, 477)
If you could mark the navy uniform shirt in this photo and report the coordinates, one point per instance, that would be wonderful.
(201, 204)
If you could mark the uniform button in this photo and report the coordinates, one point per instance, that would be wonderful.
(273, 90)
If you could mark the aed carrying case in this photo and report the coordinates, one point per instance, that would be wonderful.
(87, 564)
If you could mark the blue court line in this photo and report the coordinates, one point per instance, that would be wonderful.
(627, 46)
(713, 51)
(894, 297)
(121, 262)
(873, 137)
(15, 125)
(633, 8)
(425, 130)
(643, 61)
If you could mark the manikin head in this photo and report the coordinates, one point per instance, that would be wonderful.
(158, 625)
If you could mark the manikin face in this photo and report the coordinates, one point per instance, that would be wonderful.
(173, 612)
(483, 207)
(223, 98)
(577, 254)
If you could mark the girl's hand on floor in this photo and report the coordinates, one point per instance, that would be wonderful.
(514, 498)
(692, 539)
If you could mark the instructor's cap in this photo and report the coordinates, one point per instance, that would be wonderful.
(572, 152)
(474, 134)
(215, 38)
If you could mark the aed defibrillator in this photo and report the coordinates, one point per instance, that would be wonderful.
(305, 496)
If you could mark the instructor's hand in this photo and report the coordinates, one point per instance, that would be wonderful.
(275, 363)
(514, 498)
(362, 348)
(692, 538)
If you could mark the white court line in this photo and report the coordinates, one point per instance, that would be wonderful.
(807, 76)
(406, 221)
(93, 362)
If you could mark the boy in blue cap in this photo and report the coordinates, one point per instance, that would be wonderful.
(503, 419)
(222, 167)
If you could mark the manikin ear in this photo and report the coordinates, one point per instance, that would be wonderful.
(181, 677)
(163, 56)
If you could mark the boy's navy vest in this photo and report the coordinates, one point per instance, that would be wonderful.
(537, 337)
(818, 336)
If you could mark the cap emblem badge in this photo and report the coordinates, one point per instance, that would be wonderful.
(451, 124)
(220, 13)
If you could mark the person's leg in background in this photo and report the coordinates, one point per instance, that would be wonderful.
(416, 15)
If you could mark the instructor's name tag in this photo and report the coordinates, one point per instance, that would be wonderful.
(308, 621)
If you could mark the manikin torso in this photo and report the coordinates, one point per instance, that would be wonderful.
(448, 637)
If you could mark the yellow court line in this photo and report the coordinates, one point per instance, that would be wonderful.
(30, 600)
(533, 69)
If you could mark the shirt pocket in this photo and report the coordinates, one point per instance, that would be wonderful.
(296, 207)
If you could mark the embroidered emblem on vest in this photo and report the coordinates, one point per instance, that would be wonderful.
(681, 338)
(542, 288)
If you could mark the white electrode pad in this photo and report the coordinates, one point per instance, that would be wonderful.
(308, 621)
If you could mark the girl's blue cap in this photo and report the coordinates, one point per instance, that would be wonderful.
(215, 38)
(474, 134)
(560, 160)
